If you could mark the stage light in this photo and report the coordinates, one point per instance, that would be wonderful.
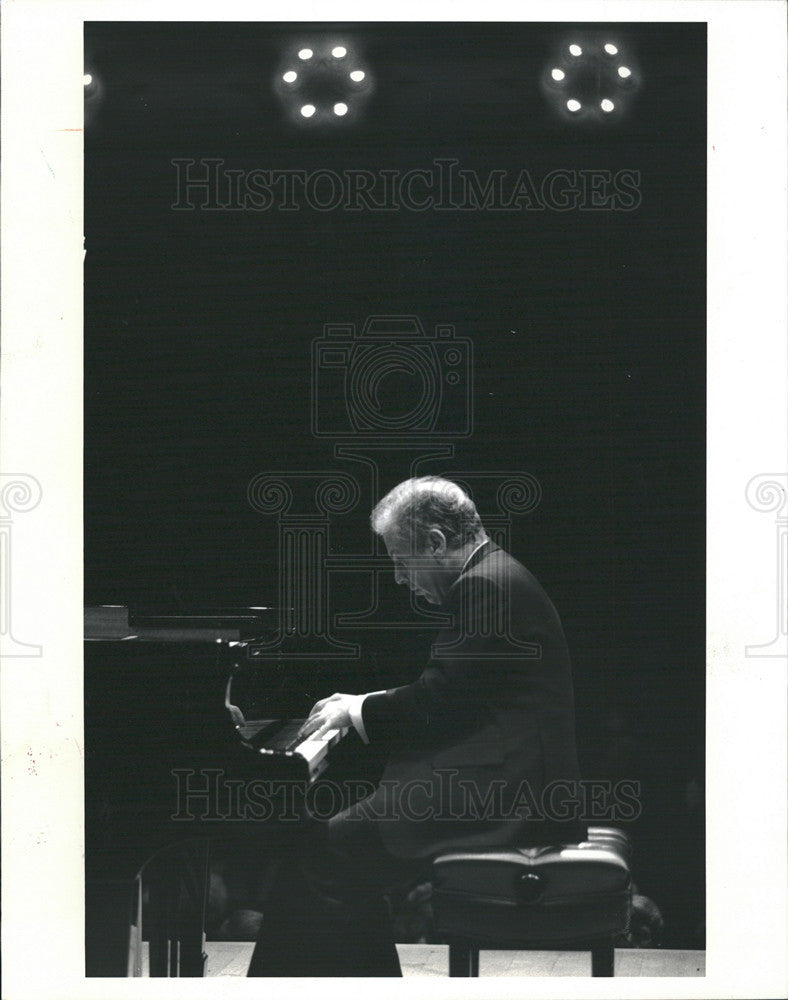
(323, 81)
(93, 92)
(599, 73)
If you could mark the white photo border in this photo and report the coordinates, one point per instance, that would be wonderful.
(41, 439)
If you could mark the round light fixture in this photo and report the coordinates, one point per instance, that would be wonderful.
(598, 74)
(87, 79)
(322, 82)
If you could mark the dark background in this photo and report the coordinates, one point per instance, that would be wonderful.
(588, 330)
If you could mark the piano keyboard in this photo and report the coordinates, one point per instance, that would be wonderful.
(286, 738)
(285, 753)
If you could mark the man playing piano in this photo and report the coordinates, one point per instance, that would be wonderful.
(472, 744)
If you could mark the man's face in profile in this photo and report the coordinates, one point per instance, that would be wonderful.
(422, 571)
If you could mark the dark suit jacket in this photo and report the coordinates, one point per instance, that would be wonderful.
(488, 725)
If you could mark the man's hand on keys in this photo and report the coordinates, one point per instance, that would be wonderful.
(328, 713)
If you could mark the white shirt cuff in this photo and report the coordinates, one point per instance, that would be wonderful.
(354, 710)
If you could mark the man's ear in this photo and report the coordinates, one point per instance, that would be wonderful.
(436, 541)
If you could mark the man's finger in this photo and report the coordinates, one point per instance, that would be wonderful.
(309, 726)
(324, 701)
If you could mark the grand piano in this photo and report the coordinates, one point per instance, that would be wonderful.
(179, 716)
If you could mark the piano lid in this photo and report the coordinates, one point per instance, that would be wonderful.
(114, 622)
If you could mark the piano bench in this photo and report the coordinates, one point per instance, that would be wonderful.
(559, 897)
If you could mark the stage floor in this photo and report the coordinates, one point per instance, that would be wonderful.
(230, 958)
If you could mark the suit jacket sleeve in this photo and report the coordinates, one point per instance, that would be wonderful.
(474, 663)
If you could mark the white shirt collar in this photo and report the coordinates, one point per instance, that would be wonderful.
(464, 565)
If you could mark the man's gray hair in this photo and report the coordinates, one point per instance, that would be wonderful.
(417, 505)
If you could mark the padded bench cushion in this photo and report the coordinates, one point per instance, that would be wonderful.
(535, 894)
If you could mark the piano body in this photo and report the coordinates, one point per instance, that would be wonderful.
(177, 716)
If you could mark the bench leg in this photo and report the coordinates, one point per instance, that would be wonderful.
(463, 959)
(603, 959)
